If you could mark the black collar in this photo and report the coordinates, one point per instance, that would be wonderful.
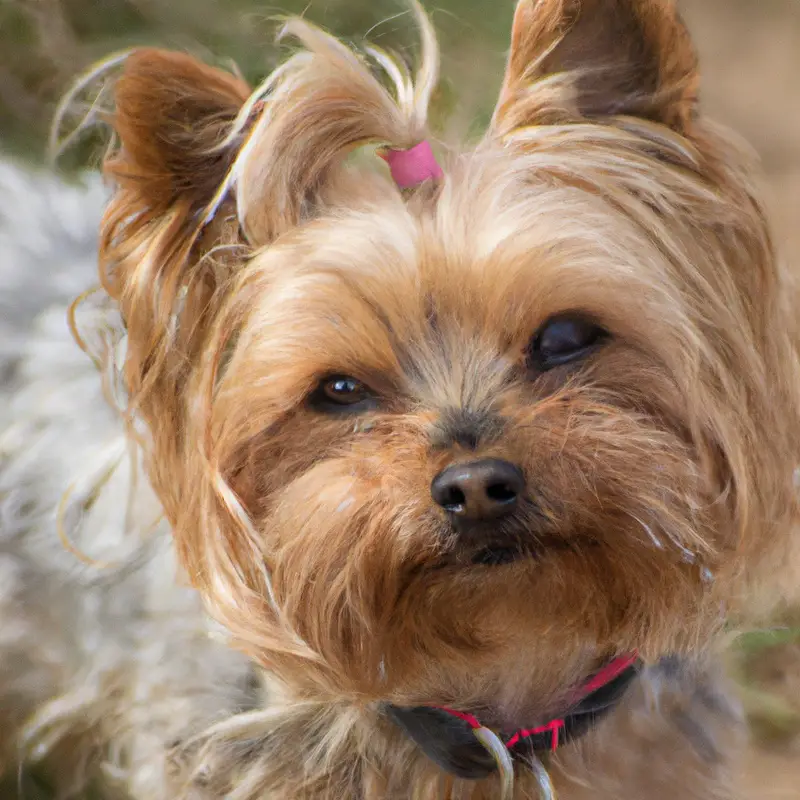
(447, 737)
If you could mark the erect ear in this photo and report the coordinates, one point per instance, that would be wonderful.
(172, 112)
(621, 57)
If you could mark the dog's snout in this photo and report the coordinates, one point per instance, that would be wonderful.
(479, 490)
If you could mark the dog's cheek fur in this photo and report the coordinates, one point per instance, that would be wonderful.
(346, 522)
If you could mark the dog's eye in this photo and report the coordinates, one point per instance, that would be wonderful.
(564, 339)
(344, 391)
(341, 392)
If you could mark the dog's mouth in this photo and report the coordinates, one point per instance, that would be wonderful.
(489, 546)
(510, 550)
(501, 543)
(497, 552)
(497, 555)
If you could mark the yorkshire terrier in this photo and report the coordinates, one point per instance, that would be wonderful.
(436, 475)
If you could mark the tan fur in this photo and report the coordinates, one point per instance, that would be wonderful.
(249, 260)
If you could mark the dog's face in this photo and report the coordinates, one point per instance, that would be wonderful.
(463, 446)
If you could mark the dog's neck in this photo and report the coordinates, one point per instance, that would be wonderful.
(448, 737)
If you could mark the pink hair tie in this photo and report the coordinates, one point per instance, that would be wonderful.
(412, 167)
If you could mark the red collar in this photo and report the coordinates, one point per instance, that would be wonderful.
(600, 680)
(441, 733)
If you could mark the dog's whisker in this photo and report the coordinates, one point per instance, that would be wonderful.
(649, 531)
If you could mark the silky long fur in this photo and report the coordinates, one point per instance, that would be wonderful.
(247, 253)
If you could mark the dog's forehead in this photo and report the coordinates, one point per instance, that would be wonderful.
(454, 289)
(486, 264)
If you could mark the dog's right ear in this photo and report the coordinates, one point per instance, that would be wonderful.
(172, 113)
(172, 117)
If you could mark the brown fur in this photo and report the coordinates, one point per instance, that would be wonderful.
(661, 469)
(628, 57)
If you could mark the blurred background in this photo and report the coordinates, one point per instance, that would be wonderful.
(750, 52)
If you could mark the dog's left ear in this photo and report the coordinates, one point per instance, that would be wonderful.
(614, 57)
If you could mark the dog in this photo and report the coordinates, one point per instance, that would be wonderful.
(439, 474)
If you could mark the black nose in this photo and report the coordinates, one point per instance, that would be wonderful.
(479, 490)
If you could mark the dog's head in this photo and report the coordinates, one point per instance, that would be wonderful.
(459, 444)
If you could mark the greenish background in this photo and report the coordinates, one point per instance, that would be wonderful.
(45, 43)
